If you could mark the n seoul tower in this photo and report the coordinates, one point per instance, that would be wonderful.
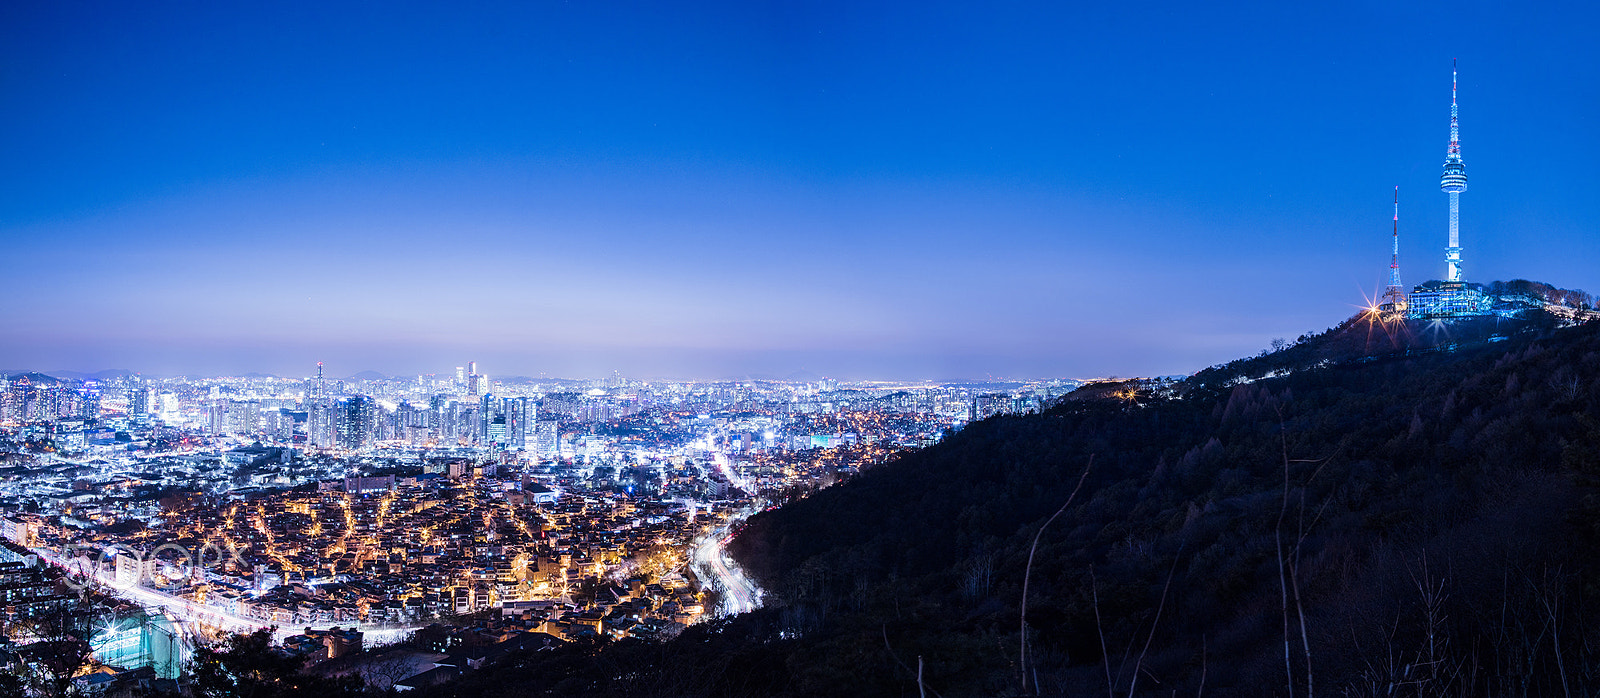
(1453, 182)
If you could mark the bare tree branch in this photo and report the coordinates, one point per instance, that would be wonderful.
(1134, 682)
(1022, 657)
(1105, 657)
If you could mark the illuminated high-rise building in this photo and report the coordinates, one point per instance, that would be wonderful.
(488, 415)
(477, 383)
(447, 424)
(321, 425)
(521, 414)
(243, 417)
(546, 440)
(216, 412)
(355, 420)
(141, 401)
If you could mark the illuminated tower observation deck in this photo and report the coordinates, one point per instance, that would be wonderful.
(1453, 182)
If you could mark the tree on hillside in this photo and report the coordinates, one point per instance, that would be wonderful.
(248, 666)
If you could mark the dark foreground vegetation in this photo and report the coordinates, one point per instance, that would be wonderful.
(1400, 511)
(1408, 511)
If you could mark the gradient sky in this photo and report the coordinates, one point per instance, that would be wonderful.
(914, 190)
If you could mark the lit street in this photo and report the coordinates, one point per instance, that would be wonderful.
(739, 594)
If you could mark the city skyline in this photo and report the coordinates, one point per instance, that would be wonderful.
(856, 193)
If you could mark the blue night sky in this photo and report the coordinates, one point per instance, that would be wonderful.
(916, 190)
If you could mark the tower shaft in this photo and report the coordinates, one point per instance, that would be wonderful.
(1452, 254)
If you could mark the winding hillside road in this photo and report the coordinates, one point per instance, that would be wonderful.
(739, 594)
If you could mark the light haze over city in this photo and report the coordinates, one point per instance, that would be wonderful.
(907, 191)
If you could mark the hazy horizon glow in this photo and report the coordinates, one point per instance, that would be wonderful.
(908, 192)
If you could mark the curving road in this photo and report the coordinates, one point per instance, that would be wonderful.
(189, 612)
(739, 594)
(184, 610)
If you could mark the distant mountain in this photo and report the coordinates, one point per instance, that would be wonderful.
(64, 375)
(368, 376)
(107, 374)
(993, 385)
(743, 377)
(803, 376)
(35, 378)
(525, 380)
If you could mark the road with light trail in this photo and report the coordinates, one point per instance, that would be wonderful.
(739, 594)
(190, 613)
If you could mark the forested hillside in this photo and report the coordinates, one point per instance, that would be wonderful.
(1423, 521)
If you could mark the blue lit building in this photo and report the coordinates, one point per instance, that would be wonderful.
(1440, 300)
(140, 639)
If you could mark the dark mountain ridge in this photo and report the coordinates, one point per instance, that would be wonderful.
(1417, 483)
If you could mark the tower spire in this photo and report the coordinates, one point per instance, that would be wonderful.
(1453, 182)
(1455, 113)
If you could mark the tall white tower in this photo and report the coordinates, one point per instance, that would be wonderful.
(1453, 182)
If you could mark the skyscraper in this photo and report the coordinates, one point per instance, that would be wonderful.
(321, 425)
(355, 417)
(141, 401)
(546, 438)
(521, 413)
(489, 414)
(216, 413)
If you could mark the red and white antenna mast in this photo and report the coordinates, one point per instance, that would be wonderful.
(1394, 298)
